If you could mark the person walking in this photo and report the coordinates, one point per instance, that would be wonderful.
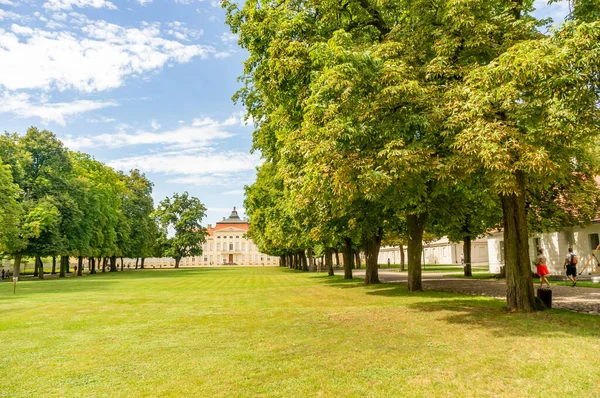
(571, 266)
(3, 273)
(542, 268)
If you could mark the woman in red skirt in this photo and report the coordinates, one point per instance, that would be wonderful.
(542, 268)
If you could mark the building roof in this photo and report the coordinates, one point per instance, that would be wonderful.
(233, 219)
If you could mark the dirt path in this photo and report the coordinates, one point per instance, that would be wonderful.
(579, 299)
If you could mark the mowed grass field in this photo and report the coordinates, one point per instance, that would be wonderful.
(276, 332)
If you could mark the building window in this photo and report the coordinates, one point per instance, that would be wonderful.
(243, 246)
(231, 247)
(537, 245)
(218, 246)
(594, 241)
(243, 257)
(502, 252)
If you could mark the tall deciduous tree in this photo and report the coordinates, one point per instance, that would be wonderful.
(181, 216)
(530, 120)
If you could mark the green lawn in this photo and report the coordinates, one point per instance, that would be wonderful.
(276, 332)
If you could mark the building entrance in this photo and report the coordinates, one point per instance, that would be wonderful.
(231, 259)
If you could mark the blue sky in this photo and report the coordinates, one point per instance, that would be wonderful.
(138, 84)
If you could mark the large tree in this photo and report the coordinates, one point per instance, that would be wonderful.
(530, 120)
(180, 219)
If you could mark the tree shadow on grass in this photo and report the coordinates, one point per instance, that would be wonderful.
(339, 281)
(490, 313)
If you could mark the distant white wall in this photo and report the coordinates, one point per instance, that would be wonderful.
(554, 245)
(440, 252)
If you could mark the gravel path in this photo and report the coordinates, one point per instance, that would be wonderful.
(579, 299)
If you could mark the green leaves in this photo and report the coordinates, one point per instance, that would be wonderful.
(181, 217)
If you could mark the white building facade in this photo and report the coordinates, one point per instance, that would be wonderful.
(226, 244)
(441, 251)
(583, 240)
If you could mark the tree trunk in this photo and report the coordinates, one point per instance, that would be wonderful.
(92, 265)
(136, 262)
(17, 265)
(121, 263)
(177, 260)
(311, 260)
(467, 255)
(303, 261)
(63, 266)
(401, 257)
(348, 258)
(80, 266)
(329, 261)
(40, 267)
(357, 259)
(337, 257)
(104, 264)
(282, 261)
(142, 263)
(67, 265)
(416, 225)
(36, 265)
(372, 246)
(113, 264)
(519, 284)
(53, 265)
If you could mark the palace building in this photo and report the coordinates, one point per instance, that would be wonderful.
(226, 244)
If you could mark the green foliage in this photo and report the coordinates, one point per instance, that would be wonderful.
(181, 217)
(11, 212)
(57, 202)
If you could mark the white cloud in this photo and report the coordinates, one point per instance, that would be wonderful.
(224, 163)
(222, 54)
(69, 4)
(228, 37)
(101, 120)
(235, 192)
(97, 56)
(200, 135)
(181, 32)
(557, 11)
(21, 105)
(9, 15)
(201, 181)
(8, 3)
(144, 2)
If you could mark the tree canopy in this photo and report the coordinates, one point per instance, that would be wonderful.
(56, 202)
(370, 111)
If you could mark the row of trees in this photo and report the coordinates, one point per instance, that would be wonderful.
(385, 119)
(58, 203)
